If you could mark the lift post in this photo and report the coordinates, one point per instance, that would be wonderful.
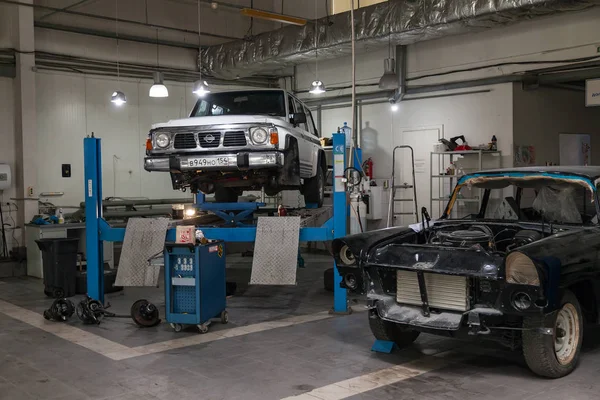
(98, 230)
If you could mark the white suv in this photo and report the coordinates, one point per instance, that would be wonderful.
(241, 140)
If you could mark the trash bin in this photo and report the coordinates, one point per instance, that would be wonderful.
(59, 258)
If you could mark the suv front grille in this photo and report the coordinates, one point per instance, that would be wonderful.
(184, 141)
(209, 140)
(234, 139)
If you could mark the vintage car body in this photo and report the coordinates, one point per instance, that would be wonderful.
(241, 140)
(526, 280)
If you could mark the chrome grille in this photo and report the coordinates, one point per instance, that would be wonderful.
(209, 140)
(446, 292)
(184, 141)
(234, 139)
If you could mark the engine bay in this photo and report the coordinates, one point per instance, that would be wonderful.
(488, 237)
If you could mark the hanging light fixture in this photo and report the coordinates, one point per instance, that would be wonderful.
(118, 97)
(200, 86)
(158, 89)
(317, 87)
(389, 80)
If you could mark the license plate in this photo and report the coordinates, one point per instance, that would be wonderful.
(207, 162)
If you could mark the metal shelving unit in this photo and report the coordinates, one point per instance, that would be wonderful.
(446, 183)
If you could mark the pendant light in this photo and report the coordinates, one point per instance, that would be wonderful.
(158, 89)
(317, 87)
(118, 97)
(200, 86)
(389, 80)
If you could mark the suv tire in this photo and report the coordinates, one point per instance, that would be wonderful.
(314, 188)
(226, 195)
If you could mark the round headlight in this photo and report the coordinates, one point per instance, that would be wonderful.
(346, 256)
(259, 136)
(521, 270)
(162, 140)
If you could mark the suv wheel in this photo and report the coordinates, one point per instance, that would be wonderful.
(554, 356)
(314, 188)
(226, 195)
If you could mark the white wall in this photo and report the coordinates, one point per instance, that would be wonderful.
(71, 106)
(478, 116)
(540, 115)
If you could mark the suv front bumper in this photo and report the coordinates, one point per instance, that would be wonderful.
(215, 162)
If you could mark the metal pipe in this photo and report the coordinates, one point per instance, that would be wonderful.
(111, 19)
(385, 101)
(142, 202)
(140, 213)
(400, 72)
(112, 35)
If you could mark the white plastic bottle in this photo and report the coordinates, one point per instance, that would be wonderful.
(61, 217)
(347, 131)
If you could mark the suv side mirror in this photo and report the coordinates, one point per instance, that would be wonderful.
(298, 118)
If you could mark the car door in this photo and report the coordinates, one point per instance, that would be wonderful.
(305, 140)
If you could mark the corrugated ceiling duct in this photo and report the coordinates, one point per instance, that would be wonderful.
(408, 21)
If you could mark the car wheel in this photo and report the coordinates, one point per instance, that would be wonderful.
(554, 356)
(390, 331)
(314, 188)
(226, 195)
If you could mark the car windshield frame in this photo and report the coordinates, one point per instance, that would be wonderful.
(257, 98)
(519, 181)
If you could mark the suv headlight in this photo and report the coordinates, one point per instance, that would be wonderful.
(162, 140)
(521, 270)
(259, 135)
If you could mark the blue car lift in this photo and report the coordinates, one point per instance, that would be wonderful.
(99, 231)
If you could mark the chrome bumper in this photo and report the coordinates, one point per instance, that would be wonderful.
(215, 162)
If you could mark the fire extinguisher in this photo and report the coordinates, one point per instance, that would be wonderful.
(368, 168)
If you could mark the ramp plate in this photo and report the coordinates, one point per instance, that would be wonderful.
(276, 251)
(144, 238)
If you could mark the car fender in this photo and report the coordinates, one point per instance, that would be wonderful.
(361, 244)
(564, 259)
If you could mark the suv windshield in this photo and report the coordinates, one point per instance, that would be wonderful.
(530, 200)
(241, 103)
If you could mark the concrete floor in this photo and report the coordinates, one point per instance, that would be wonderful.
(251, 358)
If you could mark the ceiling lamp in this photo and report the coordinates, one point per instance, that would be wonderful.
(118, 98)
(158, 89)
(389, 80)
(285, 19)
(201, 88)
(317, 87)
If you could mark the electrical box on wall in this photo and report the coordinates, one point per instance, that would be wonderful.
(66, 170)
(5, 176)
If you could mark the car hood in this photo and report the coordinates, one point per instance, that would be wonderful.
(442, 260)
(220, 120)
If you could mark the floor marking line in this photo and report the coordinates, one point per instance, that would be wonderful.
(384, 377)
(117, 351)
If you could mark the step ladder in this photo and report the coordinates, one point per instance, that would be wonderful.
(393, 187)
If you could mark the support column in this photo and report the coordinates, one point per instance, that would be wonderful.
(25, 116)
